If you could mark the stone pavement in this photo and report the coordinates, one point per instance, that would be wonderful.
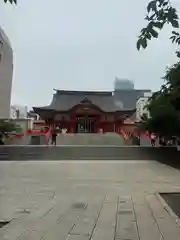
(83, 200)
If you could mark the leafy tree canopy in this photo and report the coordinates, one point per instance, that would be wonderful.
(159, 13)
(164, 106)
(11, 1)
(6, 127)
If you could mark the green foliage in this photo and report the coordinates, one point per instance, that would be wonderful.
(164, 106)
(164, 124)
(165, 120)
(19, 129)
(142, 125)
(11, 1)
(159, 13)
(6, 127)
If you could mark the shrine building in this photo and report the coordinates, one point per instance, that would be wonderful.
(90, 111)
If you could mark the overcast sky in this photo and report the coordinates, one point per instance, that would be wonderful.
(80, 45)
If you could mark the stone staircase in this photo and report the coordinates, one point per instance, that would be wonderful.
(88, 147)
(86, 139)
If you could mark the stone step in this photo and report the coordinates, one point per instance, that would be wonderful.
(90, 139)
(88, 153)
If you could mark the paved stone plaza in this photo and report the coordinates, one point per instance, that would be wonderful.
(81, 200)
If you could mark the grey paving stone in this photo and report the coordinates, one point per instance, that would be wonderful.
(166, 223)
(63, 227)
(111, 199)
(147, 226)
(35, 224)
(105, 227)
(86, 222)
(126, 227)
(40, 226)
(39, 186)
(77, 237)
(18, 226)
(125, 205)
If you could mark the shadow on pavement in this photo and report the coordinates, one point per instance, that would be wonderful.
(173, 200)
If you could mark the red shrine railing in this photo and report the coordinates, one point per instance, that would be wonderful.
(46, 133)
(127, 134)
(122, 130)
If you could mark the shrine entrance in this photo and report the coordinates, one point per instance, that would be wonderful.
(85, 124)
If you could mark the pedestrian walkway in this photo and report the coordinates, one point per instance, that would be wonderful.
(84, 200)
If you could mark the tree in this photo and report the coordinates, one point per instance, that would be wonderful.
(159, 13)
(164, 106)
(6, 127)
(164, 120)
(11, 1)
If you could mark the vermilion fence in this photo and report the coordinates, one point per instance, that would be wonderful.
(47, 134)
(126, 135)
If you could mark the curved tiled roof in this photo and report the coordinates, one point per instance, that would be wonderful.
(120, 100)
(66, 100)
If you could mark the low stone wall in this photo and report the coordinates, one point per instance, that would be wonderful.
(37, 139)
(163, 154)
(27, 139)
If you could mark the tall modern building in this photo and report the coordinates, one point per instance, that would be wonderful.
(125, 95)
(18, 111)
(123, 84)
(6, 75)
(141, 106)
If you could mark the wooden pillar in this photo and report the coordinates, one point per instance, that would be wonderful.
(73, 124)
(118, 127)
(98, 125)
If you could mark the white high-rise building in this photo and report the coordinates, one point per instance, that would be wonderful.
(18, 111)
(141, 106)
(6, 75)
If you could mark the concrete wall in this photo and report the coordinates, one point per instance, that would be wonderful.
(25, 124)
(166, 155)
(6, 74)
(25, 140)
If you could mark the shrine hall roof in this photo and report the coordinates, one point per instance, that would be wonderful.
(107, 101)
